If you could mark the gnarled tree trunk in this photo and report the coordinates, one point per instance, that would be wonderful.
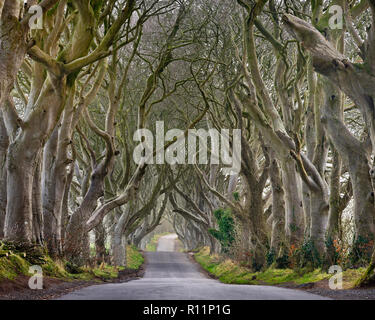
(4, 143)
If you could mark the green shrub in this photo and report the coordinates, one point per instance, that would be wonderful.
(360, 254)
(225, 234)
(282, 262)
(72, 268)
(270, 257)
(308, 256)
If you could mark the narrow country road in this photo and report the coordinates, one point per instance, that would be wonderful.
(167, 243)
(172, 276)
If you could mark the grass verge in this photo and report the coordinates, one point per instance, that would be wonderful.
(134, 258)
(15, 262)
(230, 272)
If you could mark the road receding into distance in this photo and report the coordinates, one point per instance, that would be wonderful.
(171, 275)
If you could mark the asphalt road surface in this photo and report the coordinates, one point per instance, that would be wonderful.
(172, 276)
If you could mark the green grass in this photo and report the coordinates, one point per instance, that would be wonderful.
(134, 258)
(13, 264)
(152, 245)
(230, 272)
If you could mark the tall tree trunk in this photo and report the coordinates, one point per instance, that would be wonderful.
(357, 82)
(119, 241)
(278, 209)
(258, 237)
(74, 239)
(293, 203)
(354, 155)
(334, 221)
(100, 237)
(38, 236)
(4, 143)
(60, 169)
(22, 157)
(21, 166)
(65, 204)
(13, 47)
(310, 142)
(119, 250)
(48, 191)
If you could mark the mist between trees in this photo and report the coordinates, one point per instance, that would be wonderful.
(295, 77)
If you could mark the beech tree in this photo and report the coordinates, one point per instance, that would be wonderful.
(294, 77)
